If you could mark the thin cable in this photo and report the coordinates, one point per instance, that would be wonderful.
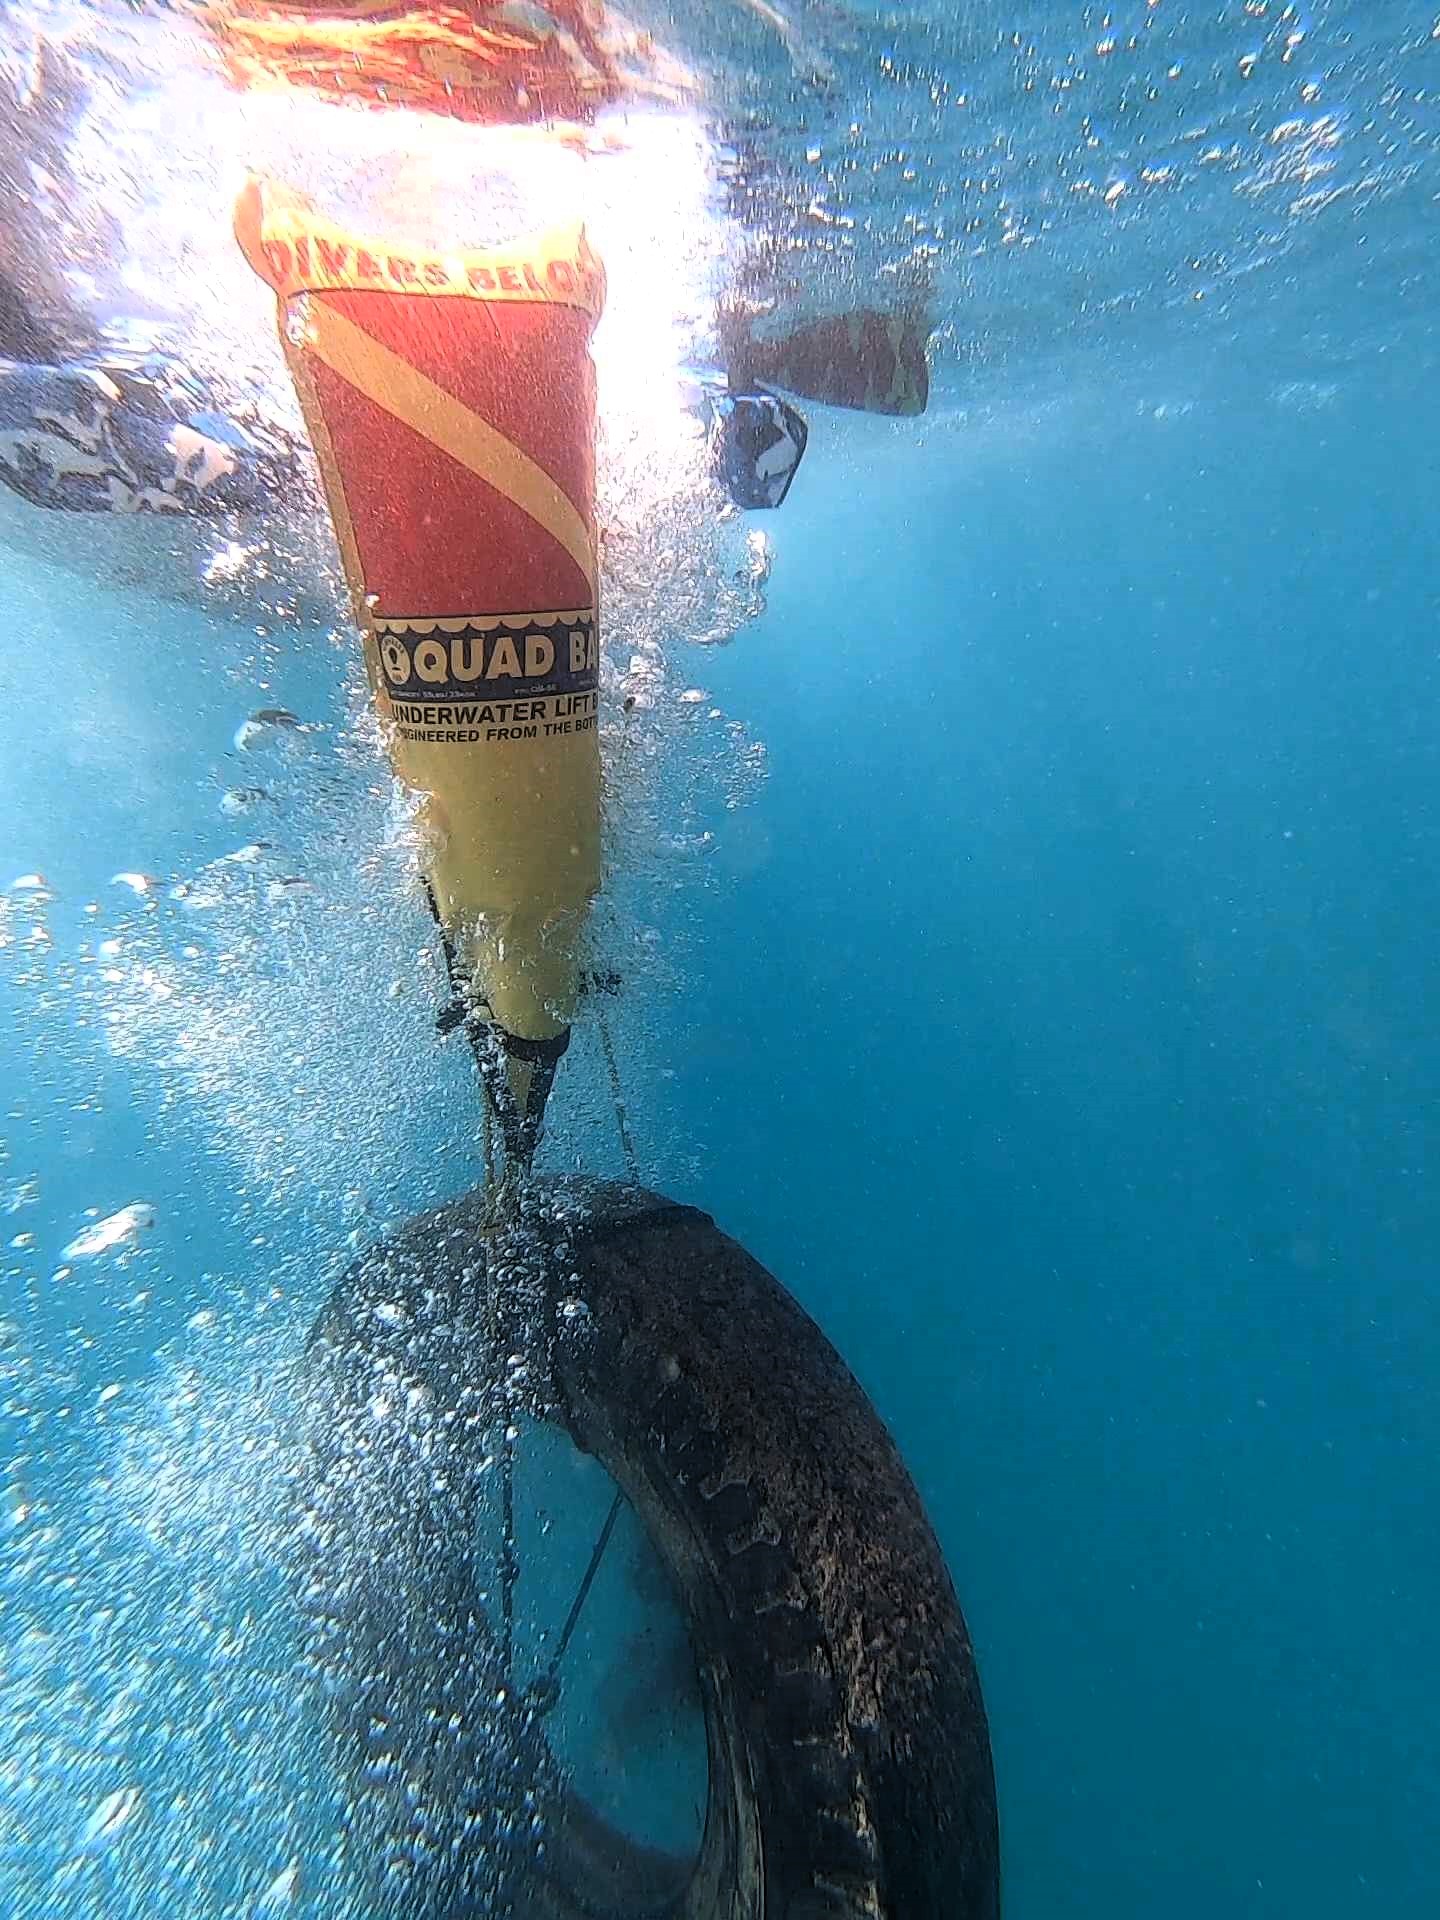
(597, 1554)
(487, 1140)
(509, 1560)
(627, 1143)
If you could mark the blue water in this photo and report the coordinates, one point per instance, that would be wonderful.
(1098, 1127)
(1053, 1019)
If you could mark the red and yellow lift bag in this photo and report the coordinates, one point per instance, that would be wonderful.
(451, 401)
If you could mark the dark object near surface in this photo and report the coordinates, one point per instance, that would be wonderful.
(850, 1769)
(758, 442)
(868, 360)
(126, 435)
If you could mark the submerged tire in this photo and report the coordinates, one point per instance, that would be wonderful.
(850, 1770)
